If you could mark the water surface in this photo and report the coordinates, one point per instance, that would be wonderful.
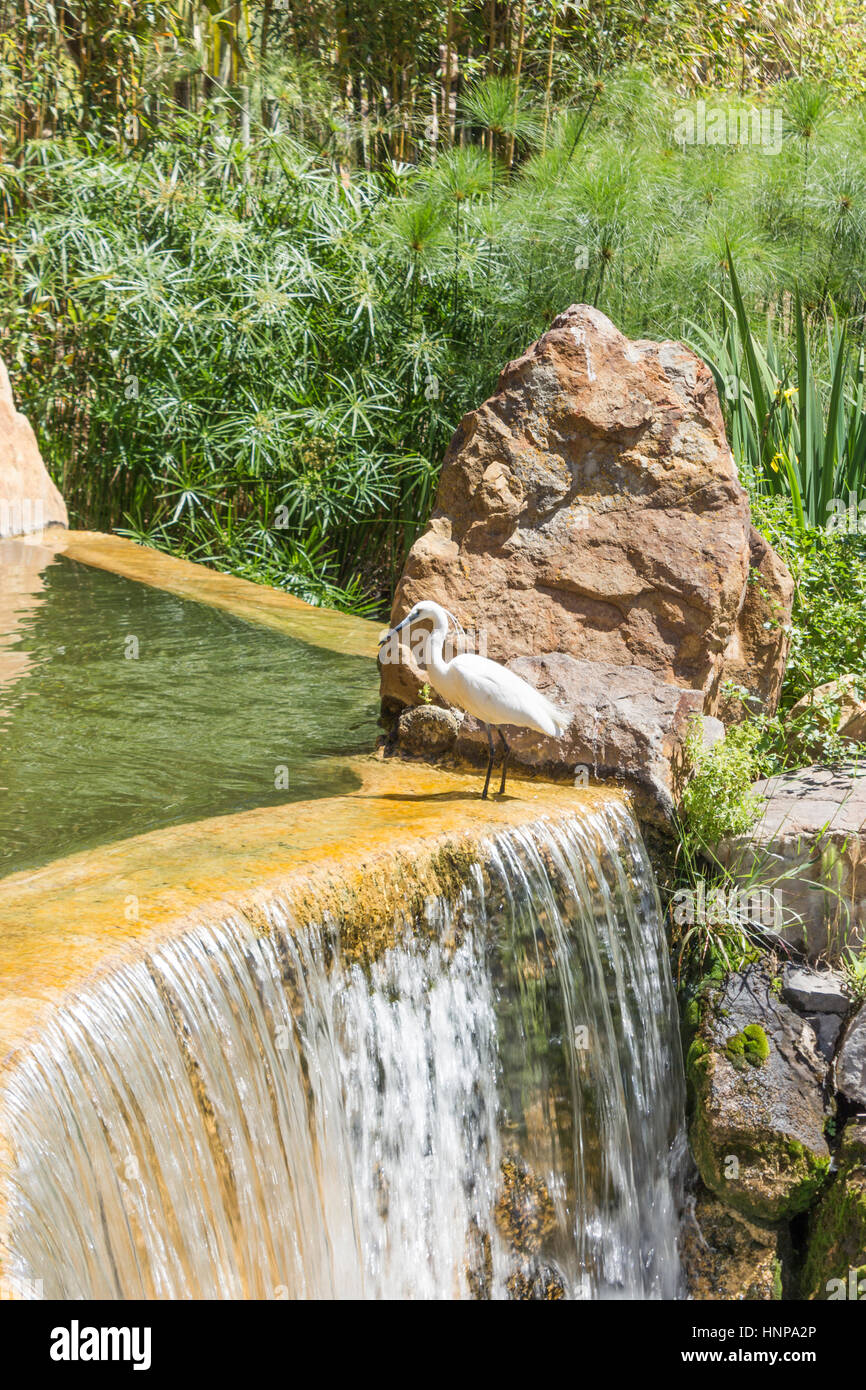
(124, 708)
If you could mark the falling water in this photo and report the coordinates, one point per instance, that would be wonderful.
(491, 1108)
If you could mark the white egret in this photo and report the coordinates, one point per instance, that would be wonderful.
(490, 692)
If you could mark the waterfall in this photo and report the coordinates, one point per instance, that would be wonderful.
(490, 1107)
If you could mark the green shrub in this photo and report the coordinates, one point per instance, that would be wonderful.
(717, 800)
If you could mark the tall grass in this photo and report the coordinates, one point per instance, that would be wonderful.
(791, 433)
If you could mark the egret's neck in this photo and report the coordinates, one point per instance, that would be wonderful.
(435, 645)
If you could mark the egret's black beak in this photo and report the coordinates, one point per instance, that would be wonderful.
(391, 630)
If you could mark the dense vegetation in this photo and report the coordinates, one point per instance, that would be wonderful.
(258, 260)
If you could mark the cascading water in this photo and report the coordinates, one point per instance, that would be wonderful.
(492, 1107)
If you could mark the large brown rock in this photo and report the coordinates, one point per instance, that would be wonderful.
(625, 724)
(756, 654)
(591, 506)
(29, 501)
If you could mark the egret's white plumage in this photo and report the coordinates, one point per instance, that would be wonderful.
(490, 692)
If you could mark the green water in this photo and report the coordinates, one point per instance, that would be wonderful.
(97, 743)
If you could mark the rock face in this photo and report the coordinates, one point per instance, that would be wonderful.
(810, 847)
(727, 1257)
(591, 507)
(756, 654)
(625, 723)
(757, 1131)
(29, 501)
(851, 1062)
(822, 999)
(835, 1264)
(814, 991)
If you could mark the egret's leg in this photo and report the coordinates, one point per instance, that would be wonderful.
(504, 761)
(489, 762)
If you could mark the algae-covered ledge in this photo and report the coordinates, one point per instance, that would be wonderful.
(405, 825)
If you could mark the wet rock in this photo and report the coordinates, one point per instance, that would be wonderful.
(625, 723)
(810, 848)
(591, 506)
(727, 1257)
(757, 1129)
(428, 730)
(851, 1063)
(524, 1211)
(835, 1264)
(526, 1218)
(29, 500)
(814, 991)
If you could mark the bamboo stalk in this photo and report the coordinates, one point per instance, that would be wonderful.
(521, 35)
(548, 86)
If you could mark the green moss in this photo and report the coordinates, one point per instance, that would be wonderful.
(751, 1047)
(697, 1055)
(836, 1242)
(692, 1014)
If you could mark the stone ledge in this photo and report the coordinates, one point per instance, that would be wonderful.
(809, 848)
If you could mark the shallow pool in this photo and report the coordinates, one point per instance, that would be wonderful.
(124, 708)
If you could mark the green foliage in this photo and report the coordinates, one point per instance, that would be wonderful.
(717, 799)
(789, 436)
(854, 965)
(829, 618)
(209, 335)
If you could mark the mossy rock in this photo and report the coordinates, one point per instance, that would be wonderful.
(756, 1090)
(835, 1264)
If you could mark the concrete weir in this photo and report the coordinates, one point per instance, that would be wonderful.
(174, 957)
(363, 858)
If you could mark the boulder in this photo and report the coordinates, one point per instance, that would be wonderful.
(810, 848)
(835, 1263)
(428, 730)
(755, 657)
(815, 991)
(757, 1128)
(851, 1062)
(626, 723)
(591, 507)
(29, 500)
